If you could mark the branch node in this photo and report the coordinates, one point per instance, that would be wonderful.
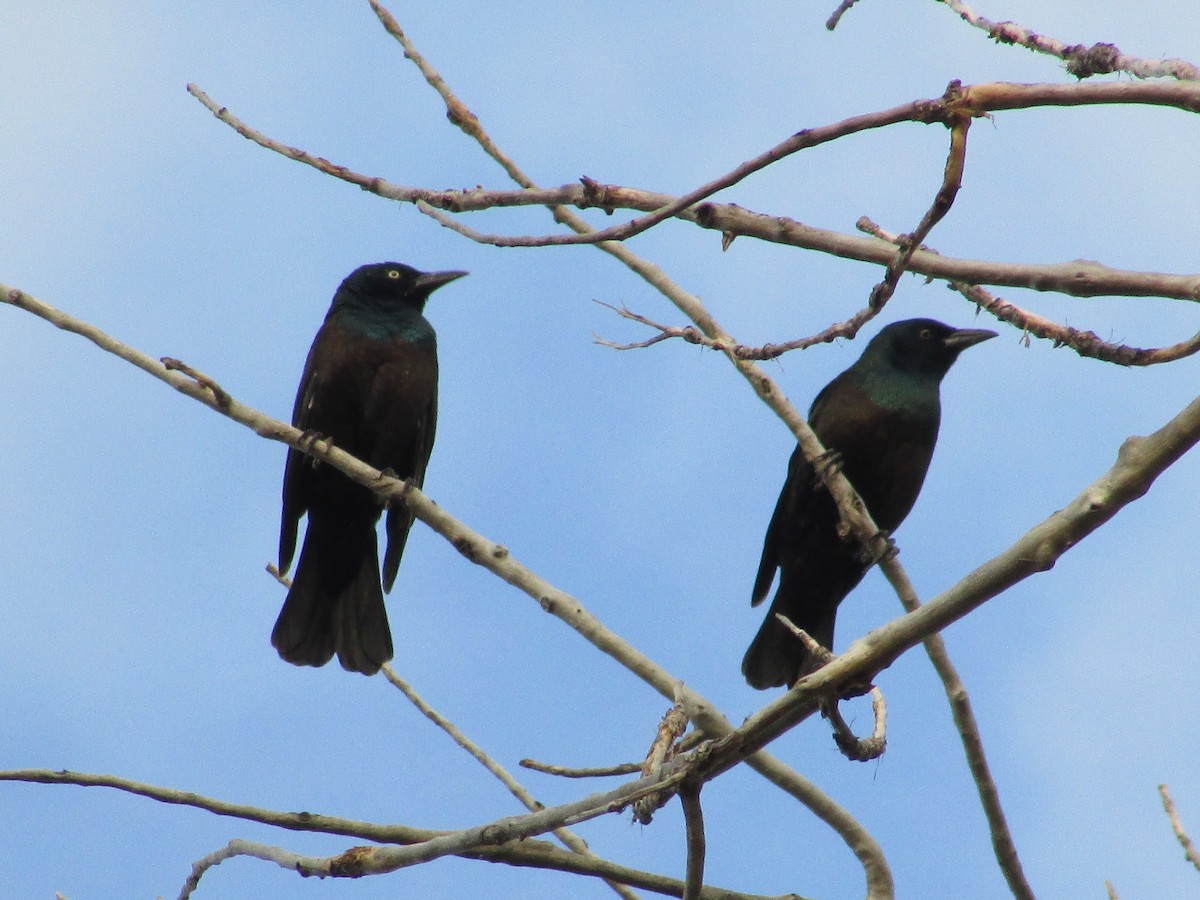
(220, 397)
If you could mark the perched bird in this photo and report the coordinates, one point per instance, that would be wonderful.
(880, 417)
(369, 386)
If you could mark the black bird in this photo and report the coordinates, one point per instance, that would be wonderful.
(369, 386)
(881, 418)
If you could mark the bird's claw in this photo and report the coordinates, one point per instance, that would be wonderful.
(868, 556)
(308, 442)
(825, 465)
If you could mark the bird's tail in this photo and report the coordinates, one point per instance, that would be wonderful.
(776, 657)
(335, 604)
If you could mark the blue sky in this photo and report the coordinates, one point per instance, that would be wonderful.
(136, 524)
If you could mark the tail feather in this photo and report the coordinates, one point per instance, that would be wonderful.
(776, 657)
(335, 604)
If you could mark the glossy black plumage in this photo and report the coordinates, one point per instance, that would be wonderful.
(881, 416)
(370, 386)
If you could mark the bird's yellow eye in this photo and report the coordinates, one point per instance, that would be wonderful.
(392, 273)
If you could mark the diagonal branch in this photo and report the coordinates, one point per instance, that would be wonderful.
(1081, 61)
(1085, 343)
(569, 839)
(956, 161)
(1189, 849)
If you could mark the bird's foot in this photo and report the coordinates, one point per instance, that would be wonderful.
(868, 556)
(308, 442)
(825, 465)
(409, 482)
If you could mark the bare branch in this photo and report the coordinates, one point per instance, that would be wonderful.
(1085, 343)
(525, 853)
(855, 748)
(844, 7)
(662, 750)
(951, 182)
(570, 840)
(852, 748)
(1079, 278)
(693, 335)
(1081, 61)
(1003, 845)
(595, 772)
(693, 816)
(1189, 849)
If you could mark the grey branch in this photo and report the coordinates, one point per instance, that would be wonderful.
(1189, 849)
(1077, 278)
(1081, 61)
(526, 853)
(693, 815)
(592, 772)
(570, 840)
(1085, 343)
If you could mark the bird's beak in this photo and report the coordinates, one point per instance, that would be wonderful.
(431, 281)
(963, 338)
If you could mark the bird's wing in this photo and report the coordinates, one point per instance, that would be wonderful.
(406, 449)
(298, 472)
(794, 511)
(400, 517)
(787, 520)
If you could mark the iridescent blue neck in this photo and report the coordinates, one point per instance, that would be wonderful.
(381, 318)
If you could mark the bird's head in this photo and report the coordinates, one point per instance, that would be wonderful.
(392, 284)
(922, 347)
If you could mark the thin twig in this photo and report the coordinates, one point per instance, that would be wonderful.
(529, 853)
(853, 747)
(693, 335)
(594, 772)
(1085, 343)
(570, 840)
(1189, 850)
(832, 22)
(960, 124)
(218, 392)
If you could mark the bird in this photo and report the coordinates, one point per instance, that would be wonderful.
(370, 387)
(879, 421)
